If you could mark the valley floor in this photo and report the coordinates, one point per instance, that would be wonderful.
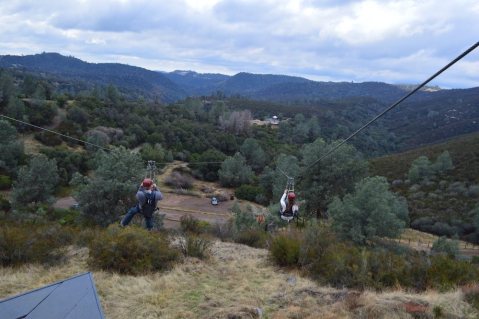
(236, 282)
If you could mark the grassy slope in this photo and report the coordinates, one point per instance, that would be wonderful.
(236, 282)
(434, 201)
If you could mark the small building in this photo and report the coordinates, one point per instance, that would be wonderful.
(274, 120)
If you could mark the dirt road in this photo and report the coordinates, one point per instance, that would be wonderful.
(174, 206)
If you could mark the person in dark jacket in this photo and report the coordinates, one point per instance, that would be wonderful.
(148, 196)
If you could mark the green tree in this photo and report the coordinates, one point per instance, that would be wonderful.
(96, 137)
(234, 171)
(15, 108)
(79, 116)
(111, 190)
(249, 192)
(475, 214)
(155, 153)
(36, 182)
(113, 94)
(443, 163)
(333, 176)
(205, 165)
(421, 169)
(11, 150)
(29, 85)
(254, 154)
(371, 211)
(7, 88)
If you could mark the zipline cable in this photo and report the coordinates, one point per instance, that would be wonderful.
(54, 132)
(85, 142)
(319, 159)
(332, 150)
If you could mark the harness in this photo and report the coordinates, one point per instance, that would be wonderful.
(288, 213)
(149, 207)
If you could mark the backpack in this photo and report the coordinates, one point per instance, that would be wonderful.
(150, 204)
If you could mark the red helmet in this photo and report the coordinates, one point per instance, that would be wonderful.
(291, 196)
(147, 182)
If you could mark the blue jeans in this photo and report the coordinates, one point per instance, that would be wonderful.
(132, 212)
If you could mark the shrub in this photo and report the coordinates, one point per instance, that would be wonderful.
(442, 184)
(443, 245)
(32, 244)
(48, 139)
(5, 182)
(414, 188)
(417, 195)
(190, 224)
(223, 231)
(64, 216)
(196, 246)
(243, 219)
(458, 188)
(340, 265)
(442, 229)
(447, 273)
(285, 250)
(178, 180)
(158, 221)
(131, 250)
(421, 222)
(86, 236)
(257, 238)
(421, 168)
(344, 264)
(248, 192)
(473, 191)
(4, 204)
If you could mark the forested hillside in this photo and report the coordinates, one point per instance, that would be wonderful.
(441, 201)
(132, 81)
(341, 108)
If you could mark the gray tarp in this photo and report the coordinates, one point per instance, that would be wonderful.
(72, 298)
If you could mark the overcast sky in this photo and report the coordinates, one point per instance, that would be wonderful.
(332, 40)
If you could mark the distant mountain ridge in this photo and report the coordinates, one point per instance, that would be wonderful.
(135, 80)
(282, 88)
(176, 85)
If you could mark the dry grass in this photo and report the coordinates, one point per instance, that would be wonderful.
(31, 145)
(418, 236)
(237, 282)
(423, 241)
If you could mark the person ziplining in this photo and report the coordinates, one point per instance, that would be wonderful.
(148, 196)
(289, 209)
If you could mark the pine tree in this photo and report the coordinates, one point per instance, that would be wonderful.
(36, 182)
(370, 211)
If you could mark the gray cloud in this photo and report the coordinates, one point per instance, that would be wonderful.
(371, 40)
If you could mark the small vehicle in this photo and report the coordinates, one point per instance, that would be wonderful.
(214, 201)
